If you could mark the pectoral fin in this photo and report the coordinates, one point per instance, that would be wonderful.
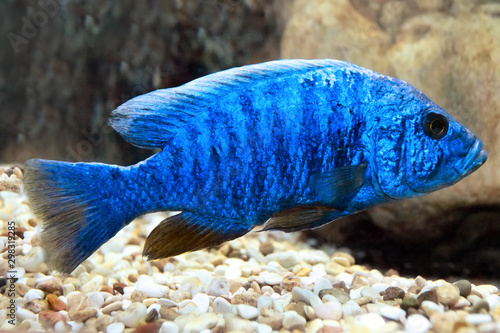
(189, 232)
(337, 187)
(303, 217)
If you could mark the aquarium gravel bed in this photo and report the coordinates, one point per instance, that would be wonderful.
(263, 282)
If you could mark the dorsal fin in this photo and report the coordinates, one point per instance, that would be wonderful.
(151, 120)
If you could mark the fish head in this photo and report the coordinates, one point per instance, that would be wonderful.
(441, 152)
(423, 149)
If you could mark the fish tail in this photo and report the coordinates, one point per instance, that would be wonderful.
(77, 203)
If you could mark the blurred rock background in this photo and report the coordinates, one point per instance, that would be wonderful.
(65, 65)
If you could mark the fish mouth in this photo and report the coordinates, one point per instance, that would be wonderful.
(474, 159)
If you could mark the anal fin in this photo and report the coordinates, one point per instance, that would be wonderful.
(302, 217)
(186, 232)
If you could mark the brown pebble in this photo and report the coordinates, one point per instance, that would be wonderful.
(152, 316)
(36, 305)
(168, 313)
(19, 231)
(83, 315)
(290, 281)
(51, 286)
(49, 318)
(21, 289)
(148, 328)
(138, 296)
(338, 293)
(363, 300)
(297, 307)
(481, 305)
(391, 272)
(118, 287)
(266, 248)
(342, 286)
(392, 293)
(360, 281)
(430, 295)
(133, 278)
(32, 223)
(160, 264)
(107, 289)
(277, 289)
(248, 298)
(55, 303)
(464, 287)
(414, 290)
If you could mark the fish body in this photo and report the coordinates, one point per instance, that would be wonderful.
(288, 144)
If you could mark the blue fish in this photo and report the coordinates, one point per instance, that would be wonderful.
(287, 144)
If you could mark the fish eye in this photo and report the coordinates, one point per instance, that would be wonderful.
(435, 125)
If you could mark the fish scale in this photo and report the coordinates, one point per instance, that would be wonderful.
(287, 145)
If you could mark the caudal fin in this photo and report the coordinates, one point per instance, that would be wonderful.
(74, 200)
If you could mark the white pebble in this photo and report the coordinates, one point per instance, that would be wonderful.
(351, 308)
(169, 327)
(186, 307)
(34, 294)
(60, 327)
(369, 291)
(202, 302)
(493, 300)
(76, 326)
(218, 287)
(236, 324)
(287, 259)
(270, 278)
(430, 307)
(417, 323)
(23, 314)
(153, 289)
(346, 278)
(478, 318)
(115, 328)
(306, 296)
(264, 302)
(329, 310)
(34, 260)
(379, 287)
(247, 311)
(321, 284)
(263, 328)
(166, 302)
(222, 306)
(292, 321)
(232, 273)
(203, 322)
(159, 278)
(372, 321)
(485, 290)
(392, 312)
(133, 316)
(95, 299)
(314, 325)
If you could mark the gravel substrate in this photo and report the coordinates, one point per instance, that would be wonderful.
(263, 282)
